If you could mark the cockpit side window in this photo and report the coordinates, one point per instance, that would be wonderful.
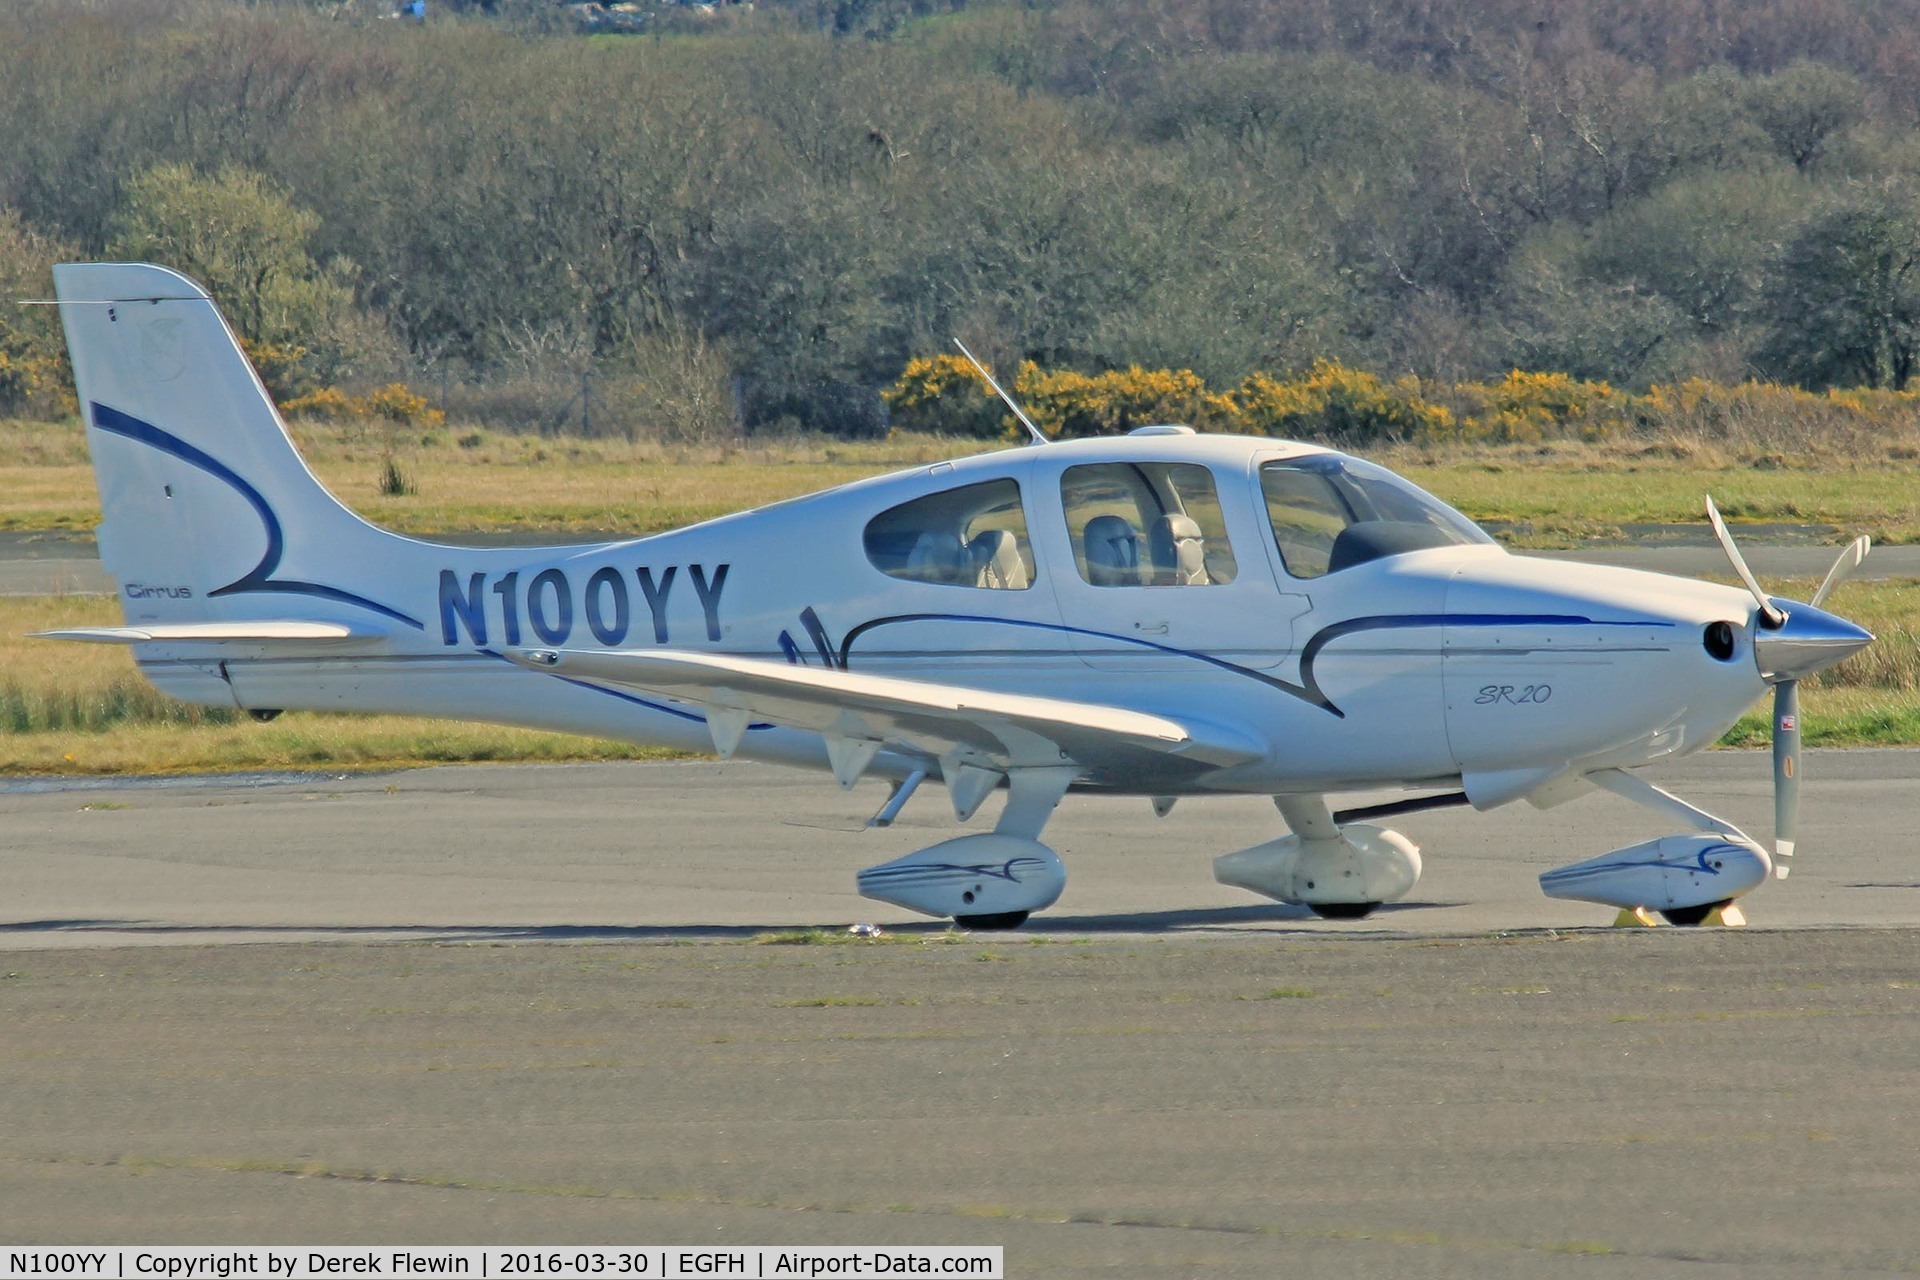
(1307, 515)
(973, 536)
(1331, 512)
(1146, 524)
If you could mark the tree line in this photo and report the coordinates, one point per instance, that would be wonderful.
(793, 203)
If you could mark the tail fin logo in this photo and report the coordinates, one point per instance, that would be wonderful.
(260, 578)
(163, 348)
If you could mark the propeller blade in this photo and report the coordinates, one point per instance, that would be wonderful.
(1786, 772)
(1843, 568)
(1769, 615)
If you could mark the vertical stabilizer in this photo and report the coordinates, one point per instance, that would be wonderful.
(208, 511)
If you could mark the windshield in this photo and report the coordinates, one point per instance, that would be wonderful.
(1330, 512)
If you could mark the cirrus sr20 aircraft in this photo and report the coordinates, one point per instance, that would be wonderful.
(1164, 615)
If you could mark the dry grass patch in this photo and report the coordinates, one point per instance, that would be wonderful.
(1560, 502)
(466, 480)
(85, 709)
(469, 480)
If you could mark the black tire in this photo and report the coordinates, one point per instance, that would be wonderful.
(993, 920)
(1342, 910)
(1687, 917)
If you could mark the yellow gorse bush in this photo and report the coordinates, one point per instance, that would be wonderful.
(1524, 407)
(1332, 401)
(395, 402)
(1335, 401)
(328, 402)
(928, 380)
(943, 395)
(1064, 404)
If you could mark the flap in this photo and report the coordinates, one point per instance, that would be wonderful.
(1010, 730)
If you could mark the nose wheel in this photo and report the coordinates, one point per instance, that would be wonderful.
(1687, 917)
(995, 920)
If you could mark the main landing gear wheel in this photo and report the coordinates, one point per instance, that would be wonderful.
(1342, 910)
(1688, 916)
(993, 920)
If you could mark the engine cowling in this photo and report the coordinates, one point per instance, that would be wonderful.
(978, 875)
(1671, 873)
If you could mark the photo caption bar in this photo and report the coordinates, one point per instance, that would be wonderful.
(492, 1262)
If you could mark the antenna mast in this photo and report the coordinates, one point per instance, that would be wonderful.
(1039, 437)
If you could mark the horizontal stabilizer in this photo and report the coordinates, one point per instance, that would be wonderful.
(1016, 730)
(232, 632)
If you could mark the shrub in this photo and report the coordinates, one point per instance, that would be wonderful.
(330, 403)
(1356, 408)
(395, 402)
(34, 375)
(283, 367)
(30, 383)
(1338, 403)
(395, 482)
(1529, 407)
(1065, 404)
(945, 396)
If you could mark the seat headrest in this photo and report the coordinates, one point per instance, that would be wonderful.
(938, 556)
(1179, 551)
(996, 561)
(1113, 551)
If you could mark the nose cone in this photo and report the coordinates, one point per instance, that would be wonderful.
(1809, 640)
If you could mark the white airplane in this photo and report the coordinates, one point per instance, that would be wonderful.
(1162, 615)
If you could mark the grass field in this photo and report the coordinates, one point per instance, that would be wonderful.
(84, 709)
(1564, 497)
(475, 481)
(81, 708)
(467, 480)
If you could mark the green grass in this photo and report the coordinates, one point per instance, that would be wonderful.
(1839, 718)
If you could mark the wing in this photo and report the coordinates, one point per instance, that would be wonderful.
(265, 632)
(858, 713)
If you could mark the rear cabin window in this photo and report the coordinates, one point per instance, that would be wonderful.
(1146, 524)
(975, 536)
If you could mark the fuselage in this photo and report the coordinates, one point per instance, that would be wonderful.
(1366, 632)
